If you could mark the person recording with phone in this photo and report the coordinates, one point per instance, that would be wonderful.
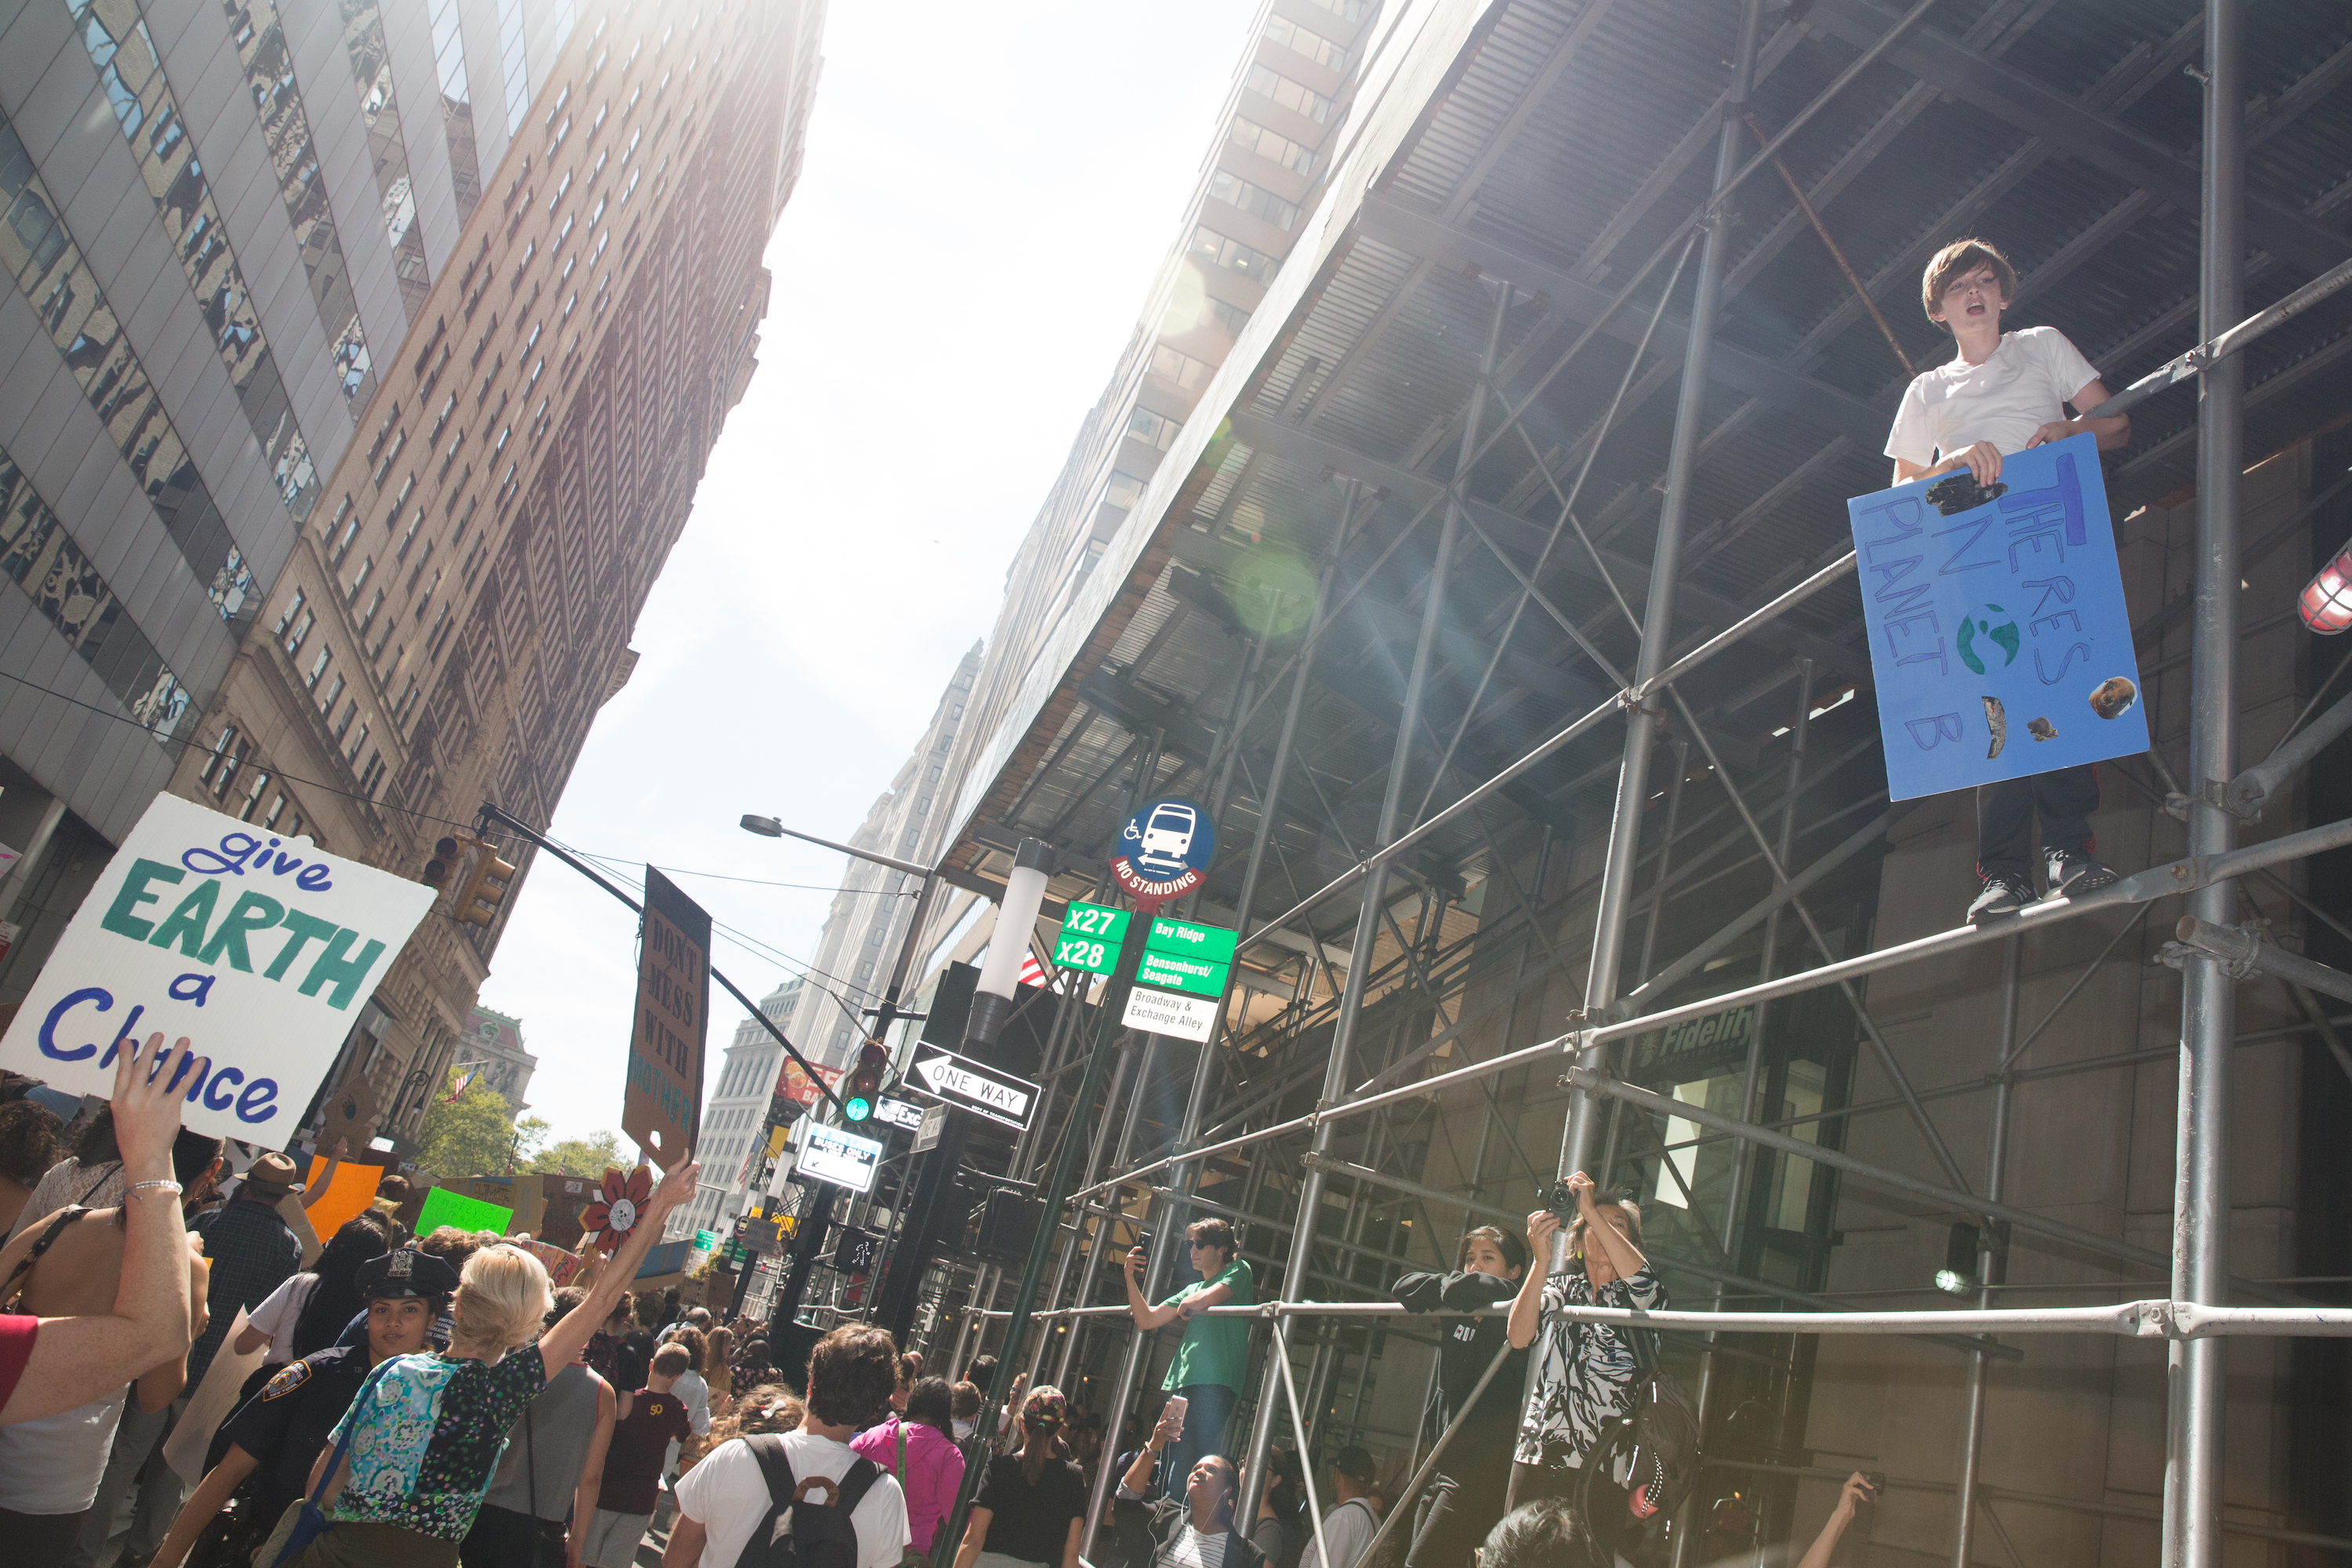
(1213, 1357)
(1584, 1371)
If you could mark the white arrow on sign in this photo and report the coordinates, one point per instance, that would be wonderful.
(958, 1079)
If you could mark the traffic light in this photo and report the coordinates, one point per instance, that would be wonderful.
(484, 890)
(864, 1090)
(446, 852)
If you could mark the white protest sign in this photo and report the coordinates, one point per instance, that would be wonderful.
(259, 949)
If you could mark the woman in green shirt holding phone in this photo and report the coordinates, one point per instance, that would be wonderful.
(1213, 1357)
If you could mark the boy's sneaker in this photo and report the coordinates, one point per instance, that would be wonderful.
(2070, 874)
(2000, 896)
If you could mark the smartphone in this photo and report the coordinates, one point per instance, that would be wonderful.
(1866, 1514)
(1180, 1404)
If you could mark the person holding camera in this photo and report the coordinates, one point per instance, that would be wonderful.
(1584, 1371)
(2005, 393)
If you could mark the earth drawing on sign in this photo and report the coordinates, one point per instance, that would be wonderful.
(2003, 632)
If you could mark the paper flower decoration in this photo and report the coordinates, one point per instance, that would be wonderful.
(614, 1211)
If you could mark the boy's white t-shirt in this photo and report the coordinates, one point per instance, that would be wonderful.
(727, 1493)
(2023, 385)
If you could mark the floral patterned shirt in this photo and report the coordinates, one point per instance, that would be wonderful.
(1586, 1375)
(427, 1437)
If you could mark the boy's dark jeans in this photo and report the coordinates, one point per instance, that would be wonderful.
(2005, 812)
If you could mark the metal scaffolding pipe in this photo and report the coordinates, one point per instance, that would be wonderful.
(1577, 1137)
(2201, 1220)
(2242, 951)
(1351, 998)
(1991, 1254)
(2251, 790)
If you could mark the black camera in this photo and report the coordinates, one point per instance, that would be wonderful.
(1958, 492)
(1562, 1201)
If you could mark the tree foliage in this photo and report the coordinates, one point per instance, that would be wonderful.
(473, 1135)
(586, 1156)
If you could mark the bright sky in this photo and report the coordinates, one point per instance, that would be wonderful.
(987, 193)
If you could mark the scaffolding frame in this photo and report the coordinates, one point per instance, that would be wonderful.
(2195, 1319)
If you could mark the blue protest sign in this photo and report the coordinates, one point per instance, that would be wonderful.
(1999, 638)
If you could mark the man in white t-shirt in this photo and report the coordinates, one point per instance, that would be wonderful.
(2003, 393)
(1350, 1525)
(724, 1500)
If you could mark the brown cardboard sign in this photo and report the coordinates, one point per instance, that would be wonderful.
(351, 1112)
(662, 1106)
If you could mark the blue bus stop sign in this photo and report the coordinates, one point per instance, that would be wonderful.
(1163, 851)
(2000, 642)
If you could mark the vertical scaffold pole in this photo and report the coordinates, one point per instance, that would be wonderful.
(2200, 1222)
(1368, 920)
(1991, 1247)
(1657, 613)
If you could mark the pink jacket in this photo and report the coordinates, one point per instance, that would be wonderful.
(934, 1471)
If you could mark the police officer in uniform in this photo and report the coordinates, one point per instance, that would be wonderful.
(260, 1460)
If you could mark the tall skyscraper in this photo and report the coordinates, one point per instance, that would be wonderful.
(741, 1089)
(363, 357)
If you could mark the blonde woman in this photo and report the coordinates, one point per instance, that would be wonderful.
(717, 1370)
(425, 1434)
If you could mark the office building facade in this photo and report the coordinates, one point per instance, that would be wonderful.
(365, 357)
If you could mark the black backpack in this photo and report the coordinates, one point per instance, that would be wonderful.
(819, 1534)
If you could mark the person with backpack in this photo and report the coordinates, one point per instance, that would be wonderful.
(919, 1449)
(1032, 1506)
(1585, 1373)
(1352, 1522)
(843, 1509)
(1467, 1494)
(1195, 1532)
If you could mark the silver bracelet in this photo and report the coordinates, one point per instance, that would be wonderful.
(135, 1188)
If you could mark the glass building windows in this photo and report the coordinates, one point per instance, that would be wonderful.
(514, 69)
(42, 559)
(1255, 200)
(1154, 430)
(1346, 10)
(364, 42)
(457, 106)
(1292, 155)
(1295, 96)
(1219, 250)
(119, 47)
(1314, 45)
(49, 266)
(286, 130)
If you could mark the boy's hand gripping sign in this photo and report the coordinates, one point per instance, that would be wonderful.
(1999, 640)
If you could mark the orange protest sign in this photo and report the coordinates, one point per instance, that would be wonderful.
(351, 1189)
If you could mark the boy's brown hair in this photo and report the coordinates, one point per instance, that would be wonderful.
(852, 1372)
(671, 1360)
(1958, 260)
(1216, 1233)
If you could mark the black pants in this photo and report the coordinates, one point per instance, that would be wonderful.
(1461, 1506)
(2005, 812)
(503, 1538)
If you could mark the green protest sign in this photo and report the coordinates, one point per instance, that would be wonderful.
(445, 1205)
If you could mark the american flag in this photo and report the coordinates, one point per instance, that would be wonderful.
(1032, 972)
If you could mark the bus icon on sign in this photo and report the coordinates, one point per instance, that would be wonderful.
(1168, 838)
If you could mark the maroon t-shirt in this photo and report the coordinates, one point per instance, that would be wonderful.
(632, 1462)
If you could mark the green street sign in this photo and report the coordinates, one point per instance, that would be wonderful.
(1090, 938)
(1177, 972)
(1210, 944)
